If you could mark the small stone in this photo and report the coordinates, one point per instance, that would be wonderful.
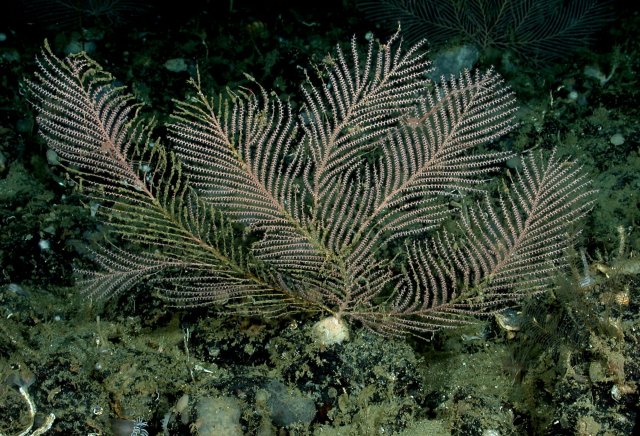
(288, 406)
(331, 330)
(219, 416)
(596, 372)
(52, 157)
(17, 289)
(617, 139)
(176, 65)
(615, 393)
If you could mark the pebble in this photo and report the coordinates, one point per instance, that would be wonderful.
(617, 139)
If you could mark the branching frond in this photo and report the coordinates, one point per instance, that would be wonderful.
(428, 158)
(96, 129)
(240, 157)
(539, 30)
(119, 270)
(260, 211)
(360, 102)
(503, 253)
